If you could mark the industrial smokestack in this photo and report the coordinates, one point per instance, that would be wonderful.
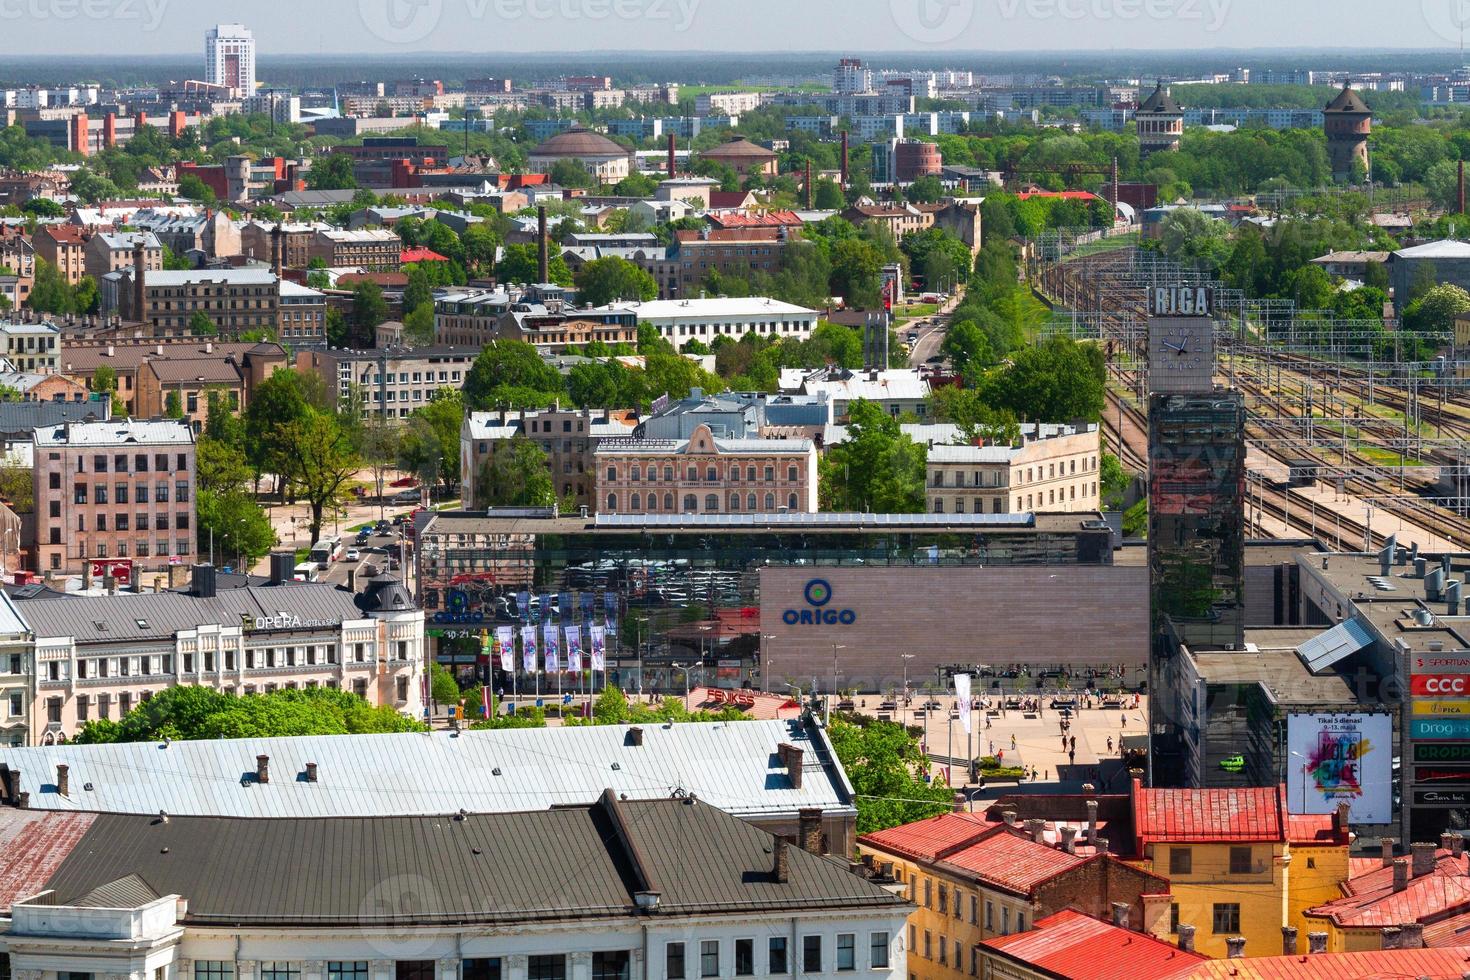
(673, 163)
(140, 261)
(809, 198)
(543, 266)
(844, 159)
(278, 249)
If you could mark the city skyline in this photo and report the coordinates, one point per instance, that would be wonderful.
(162, 28)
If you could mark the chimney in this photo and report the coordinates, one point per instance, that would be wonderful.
(1120, 915)
(283, 566)
(262, 769)
(844, 159)
(1391, 937)
(1092, 821)
(1452, 598)
(781, 869)
(1288, 940)
(140, 262)
(1400, 874)
(673, 165)
(1037, 830)
(311, 772)
(109, 130)
(1447, 841)
(1009, 816)
(1316, 942)
(809, 829)
(791, 756)
(809, 190)
(204, 583)
(1186, 937)
(1457, 844)
(635, 736)
(63, 780)
(1412, 935)
(1069, 839)
(1344, 814)
(1422, 857)
(959, 803)
(1385, 845)
(1460, 189)
(1101, 845)
(1235, 948)
(278, 249)
(543, 255)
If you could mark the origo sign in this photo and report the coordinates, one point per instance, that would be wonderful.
(818, 610)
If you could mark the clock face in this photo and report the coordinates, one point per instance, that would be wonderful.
(1181, 354)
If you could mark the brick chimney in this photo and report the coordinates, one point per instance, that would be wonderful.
(1235, 948)
(80, 137)
(673, 165)
(809, 190)
(1037, 830)
(1091, 821)
(109, 130)
(1316, 942)
(781, 864)
(140, 265)
(635, 736)
(262, 769)
(1447, 841)
(63, 780)
(791, 757)
(1009, 816)
(1400, 874)
(1120, 915)
(1288, 940)
(844, 159)
(809, 829)
(278, 249)
(1186, 937)
(1391, 937)
(1422, 857)
(1344, 813)
(1069, 839)
(1412, 934)
(1385, 845)
(543, 254)
(311, 772)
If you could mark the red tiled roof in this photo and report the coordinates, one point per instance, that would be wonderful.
(1012, 861)
(1315, 830)
(1371, 901)
(1428, 964)
(923, 840)
(1244, 814)
(764, 219)
(33, 843)
(1372, 876)
(421, 255)
(1070, 944)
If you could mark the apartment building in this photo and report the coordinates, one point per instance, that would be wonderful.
(236, 300)
(569, 437)
(681, 320)
(97, 657)
(251, 362)
(302, 316)
(1055, 468)
(393, 381)
(706, 475)
(17, 675)
(374, 249)
(726, 103)
(32, 348)
(113, 251)
(64, 246)
(539, 317)
(123, 488)
(257, 240)
(19, 256)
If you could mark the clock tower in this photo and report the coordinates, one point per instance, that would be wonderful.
(1181, 340)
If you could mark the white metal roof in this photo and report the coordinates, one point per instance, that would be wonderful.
(685, 309)
(1445, 249)
(188, 277)
(117, 432)
(730, 765)
(1342, 640)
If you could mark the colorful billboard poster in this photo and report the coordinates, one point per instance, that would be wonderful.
(1340, 758)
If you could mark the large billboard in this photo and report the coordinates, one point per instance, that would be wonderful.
(1340, 758)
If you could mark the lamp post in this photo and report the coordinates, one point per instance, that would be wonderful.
(765, 662)
(685, 669)
(903, 694)
(832, 696)
(703, 633)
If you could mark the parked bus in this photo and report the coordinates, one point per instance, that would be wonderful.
(326, 551)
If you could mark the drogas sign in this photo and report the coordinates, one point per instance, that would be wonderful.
(818, 595)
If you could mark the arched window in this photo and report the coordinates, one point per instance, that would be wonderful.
(711, 503)
(750, 501)
(652, 502)
(612, 472)
(691, 503)
(668, 501)
(636, 474)
(612, 502)
(668, 474)
(791, 502)
(710, 474)
(636, 503)
(770, 501)
(734, 502)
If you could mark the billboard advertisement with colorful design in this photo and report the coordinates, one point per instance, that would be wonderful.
(1340, 758)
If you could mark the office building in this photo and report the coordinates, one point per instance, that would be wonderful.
(1054, 468)
(229, 58)
(680, 320)
(392, 381)
(569, 437)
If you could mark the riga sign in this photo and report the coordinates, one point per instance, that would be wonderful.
(1181, 301)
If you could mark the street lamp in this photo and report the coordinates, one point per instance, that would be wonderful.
(765, 662)
(685, 669)
(833, 695)
(906, 657)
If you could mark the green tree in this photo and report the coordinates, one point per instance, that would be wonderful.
(337, 329)
(200, 325)
(878, 469)
(333, 172)
(173, 405)
(368, 309)
(1058, 381)
(234, 524)
(192, 188)
(442, 417)
(571, 173)
(967, 347)
(443, 688)
(827, 196)
(1114, 480)
(50, 292)
(418, 291)
(603, 281)
(886, 765)
(520, 264)
(506, 372)
(517, 475)
(1436, 310)
(276, 403)
(44, 207)
(318, 463)
(418, 325)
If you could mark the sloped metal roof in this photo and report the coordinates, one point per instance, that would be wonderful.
(730, 765)
(1342, 640)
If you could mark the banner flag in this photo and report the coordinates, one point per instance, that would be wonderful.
(599, 648)
(553, 654)
(962, 694)
(528, 649)
(505, 639)
(574, 649)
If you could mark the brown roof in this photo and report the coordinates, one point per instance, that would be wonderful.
(86, 358)
(1347, 101)
(202, 370)
(739, 146)
(1160, 101)
(578, 142)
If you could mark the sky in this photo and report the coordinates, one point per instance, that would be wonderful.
(171, 27)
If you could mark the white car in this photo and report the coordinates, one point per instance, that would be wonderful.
(353, 554)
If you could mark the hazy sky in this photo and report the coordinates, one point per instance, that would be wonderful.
(115, 27)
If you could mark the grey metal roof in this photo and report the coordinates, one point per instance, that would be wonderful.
(18, 417)
(815, 521)
(583, 862)
(129, 617)
(731, 765)
(117, 432)
(1326, 649)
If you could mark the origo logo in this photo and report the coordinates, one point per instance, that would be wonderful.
(818, 594)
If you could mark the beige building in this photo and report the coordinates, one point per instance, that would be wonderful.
(252, 364)
(569, 437)
(706, 475)
(31, 348)
(236, 300)
(117, 489)
(1054, 469)
(374, 249)
(114, 251)
(64, 246)
(393, 381)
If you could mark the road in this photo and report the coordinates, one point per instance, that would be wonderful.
(931, 334)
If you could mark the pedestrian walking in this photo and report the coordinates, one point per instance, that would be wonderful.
(1072, 757)
(1110, 743)
(1013, 743)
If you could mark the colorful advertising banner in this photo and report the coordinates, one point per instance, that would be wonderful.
(523, 606)
(1435, 709)
(1440, 685)
(505, 639)
(610, 611)
(553, 654)
(962, 697)
(528, 649)
(599, 648)
(574, 649)
(1341, 758)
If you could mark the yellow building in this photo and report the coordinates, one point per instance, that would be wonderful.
(1238, 864)
(1422, 899)
(974, 880)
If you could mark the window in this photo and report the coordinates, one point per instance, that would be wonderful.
(811, 954)
(610, 965)
(943, 900)
(1005, 920)
(225, 970)
(711, 503)
(1240, 860)
(1020, 921)
(1226, 919)
(545, 967)
(709, 958)
(846, 951)
(1181, 861)
(1174, 918)
(674, 961)
(336, 970)
(776, 955)
(279, 970)
(877, 950)
(612, 502)
(928, 893)
(744, 957)
(974, 909)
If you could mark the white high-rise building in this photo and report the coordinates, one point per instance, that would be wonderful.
(229, 57)
(851, 76)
